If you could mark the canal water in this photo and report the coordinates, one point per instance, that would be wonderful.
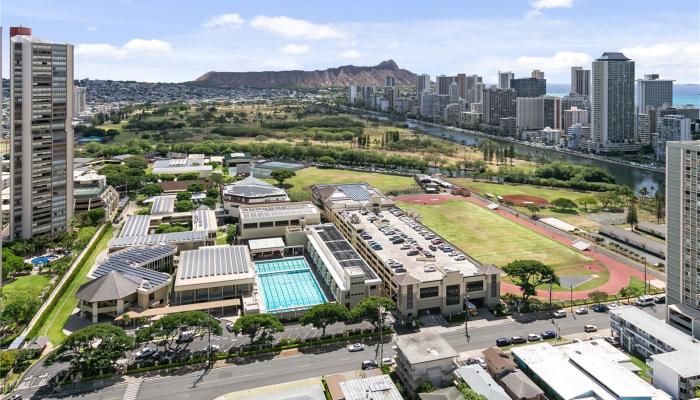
(628, 175)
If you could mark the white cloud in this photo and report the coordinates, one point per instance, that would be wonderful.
(295, 28)
(101, 50)
(539, 5)
(132, 47)
(664, 53)
(224, 21)
(350, 54)
(295, 49)
(560, 61)
(147, 45)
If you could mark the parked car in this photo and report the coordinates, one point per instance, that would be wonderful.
(213, 348)
(660, 299)
(518, 340)
(549, 335)
(369, 364)
(590, 328)
(533, 337)
(559, 314)
(500, 342)
(601, 308)
(477, 360)
(185, 336)
(229, 326)
(356, 347)
(388, 361)
(644, 301)
(145, 353)
(581, 310)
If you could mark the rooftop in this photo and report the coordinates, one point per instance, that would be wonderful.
(586, 369)
(350, 195)
(424, 347)
(163, 204)
(213, 264)
(179, 165)
(481, 382)
(159, 238)
(204, 220)
(132, 257)
(612, 56)
(110, 286)
(521, 385)
(277, 210)
(341, 251)
(421, 268)
(253, 187)
(135, 225)
(379, 387)
(265, 244)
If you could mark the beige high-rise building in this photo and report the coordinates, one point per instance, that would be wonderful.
(41, 135)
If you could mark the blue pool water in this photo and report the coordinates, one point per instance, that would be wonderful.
(43, 260)
(288, 283)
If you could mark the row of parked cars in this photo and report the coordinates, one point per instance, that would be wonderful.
(533, 337)
(435, 242)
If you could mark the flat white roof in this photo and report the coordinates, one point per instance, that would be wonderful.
(204, 220)
(277, 210)
(424, 347)
(559, 224)
(586, 369)
(267, 243)
(214, 265)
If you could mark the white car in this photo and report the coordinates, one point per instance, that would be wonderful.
(533, 337)
(581, 310)
(356, 347)
(388, 361)
(590, 328)
(145, 352)
(559, 314)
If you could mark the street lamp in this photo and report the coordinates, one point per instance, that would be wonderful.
(571, 296)
(550, 300)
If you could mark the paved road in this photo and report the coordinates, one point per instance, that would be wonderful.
(201, 385)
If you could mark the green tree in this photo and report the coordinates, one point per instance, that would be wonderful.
(93, 349)
(326, 160)
(373, 309)
(529, 274)
(195, 188)
(322, 315)
(11, 263)
(281, 175)
(93, 217)
(136, 162)
(184, 205)
(20, 307)
(469, 394)
(534, 209)
(231, 233)
(630, 291)
(564, 203)
(597, 296)
(209, 202)
(84, 235)
(607, 199)
(659, 205)
(426, 387)
(168, 329)
(587, 201)
(632, 217)
(183, 196)
(7, 361)
(151, 189)
(258, 327)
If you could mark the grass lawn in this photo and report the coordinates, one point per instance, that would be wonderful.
(513, 189)
(307, 177)
(53, 327)
(33, 283)
(221, 238)
(493, 239)
(644, 373)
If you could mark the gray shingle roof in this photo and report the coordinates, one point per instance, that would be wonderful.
(253, 187)
(111, 286)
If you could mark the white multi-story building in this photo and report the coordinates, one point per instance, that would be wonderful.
(574, 115)
(443, 84)
(504, 79)
(644, 130)
(580, 81)
(79, 100)
(424, 357)
(653, 92)
(537, 74)
(683, 235)
(670, 128)
(534, 113)
(41, 135)
(422, 84)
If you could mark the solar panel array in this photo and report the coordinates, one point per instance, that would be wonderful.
(213, 261)
(160, 238)
(342, 250)
(163, 204)
(136, 225)
(145, 277)
(204, 220)
(357, 192)
(278, 210)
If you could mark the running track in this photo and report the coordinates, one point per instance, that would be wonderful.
(619, 273)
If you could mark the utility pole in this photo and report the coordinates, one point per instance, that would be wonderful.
(466, 319)
(571, 295)
(550, 301)
(645, 275)
(209, 329)
(381, 331)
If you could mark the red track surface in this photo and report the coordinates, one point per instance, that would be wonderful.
(619, 273)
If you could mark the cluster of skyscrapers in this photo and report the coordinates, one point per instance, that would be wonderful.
(599, 114)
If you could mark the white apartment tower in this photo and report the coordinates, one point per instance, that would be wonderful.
(79, 100)
(683, 235)
(422, 84)
(41, 136)
(580, 81)
(653, 92)
(504, 79)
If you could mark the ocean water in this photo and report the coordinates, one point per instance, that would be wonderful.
(682, 94)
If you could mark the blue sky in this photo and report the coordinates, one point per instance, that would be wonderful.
(156, 40)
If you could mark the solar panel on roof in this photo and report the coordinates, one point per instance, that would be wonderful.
(213, 261)
(355, 192)
(341, 249)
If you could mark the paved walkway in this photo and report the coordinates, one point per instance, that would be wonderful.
(620, 273)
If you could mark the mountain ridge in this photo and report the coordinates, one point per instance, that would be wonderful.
(331, 77)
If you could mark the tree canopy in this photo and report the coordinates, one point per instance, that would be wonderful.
(93, 348)
(369, 309)
(281, 175)
(259, 327)
(322, 315)
(529, 274)
(169, 327)
(597, 296)
(563, 202)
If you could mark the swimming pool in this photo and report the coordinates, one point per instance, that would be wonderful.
(288, 283)
(42, 260)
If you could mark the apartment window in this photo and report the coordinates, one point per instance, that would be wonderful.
(250, 226)
(452, 295)
(428, 292)
(475, 286)
(409, 296)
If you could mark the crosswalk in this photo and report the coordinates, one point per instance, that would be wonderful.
(132, 389)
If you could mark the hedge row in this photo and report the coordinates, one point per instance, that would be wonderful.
(61, 290)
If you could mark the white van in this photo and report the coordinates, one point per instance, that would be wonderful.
(644, 301)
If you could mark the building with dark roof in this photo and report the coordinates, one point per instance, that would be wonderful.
(520, 387)
(251, 191)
